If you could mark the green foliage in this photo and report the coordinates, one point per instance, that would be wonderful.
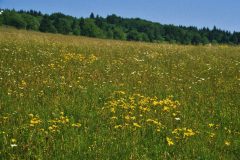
(196, 38)
(205, 40)
(76, 27)
(144, 37)
(32, 23)
(90, 29)
(113, 19)
(62, 25)
(109, 34)
(46, 25)
(116, 27)
(1, 17)
(134, 35)
(13, 19)
(118, 33)
(1, 20)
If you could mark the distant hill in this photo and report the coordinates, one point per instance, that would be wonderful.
(116, 27)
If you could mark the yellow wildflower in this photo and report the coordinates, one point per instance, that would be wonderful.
(211, 125)
(118, 126)
(5, 118)
(13, 140)
(155, 103)
(114, 117)
(41, 129)
(133, 117)
(212, 135)
(77, 125)
(166, 109)
(149, 120)
(127, 117)
(189, 132)
(34, 121)
(176, 131)
(113, 110)
(227, 143)
(137, 125)
(53, 128)
(120, 92)
(169, 141)
(23, 83)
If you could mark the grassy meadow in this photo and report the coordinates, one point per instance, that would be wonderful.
(67, 97)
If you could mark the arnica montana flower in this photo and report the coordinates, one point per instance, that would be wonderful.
(136, 125)
(227, 143)
(169, 141)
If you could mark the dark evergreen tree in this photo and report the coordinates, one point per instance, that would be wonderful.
(62, 25)
(46, 25)
(81, 23)
(235, 39)
(109, 34)
(113, 19)
(204, 40)
(76, 27)
(1, 18)
(134, 35)
(92, 16)
(196, 39)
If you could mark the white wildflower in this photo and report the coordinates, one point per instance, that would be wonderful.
(177, 119)
(13, 145)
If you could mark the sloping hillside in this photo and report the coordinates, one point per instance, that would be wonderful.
(68, 97)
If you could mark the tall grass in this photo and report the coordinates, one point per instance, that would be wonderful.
(65, 97)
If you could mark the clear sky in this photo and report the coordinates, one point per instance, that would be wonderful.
(225, 14)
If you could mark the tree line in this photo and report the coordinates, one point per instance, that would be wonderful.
(116, 27)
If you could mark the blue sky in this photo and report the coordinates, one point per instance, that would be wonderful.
(225, 14)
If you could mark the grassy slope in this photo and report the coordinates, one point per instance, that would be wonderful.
(56, 93)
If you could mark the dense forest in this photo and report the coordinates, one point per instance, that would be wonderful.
(116, 27)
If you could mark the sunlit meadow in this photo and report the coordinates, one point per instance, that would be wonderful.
(65, 97)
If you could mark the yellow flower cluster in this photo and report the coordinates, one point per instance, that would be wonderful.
(22, 84)
(79, 57)
(73, 56)
(138, 111)
(53, 128)
(35, 120)
(183, 132)
(54, 125)
(60, 120)
(169, 141)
